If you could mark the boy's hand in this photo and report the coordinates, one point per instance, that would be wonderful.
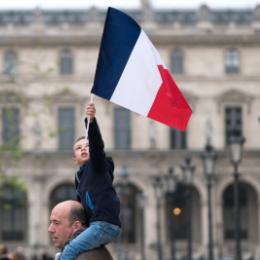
(90, 111)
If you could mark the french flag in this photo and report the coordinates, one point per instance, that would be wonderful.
(131, 74)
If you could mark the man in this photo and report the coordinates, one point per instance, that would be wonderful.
(3, 252)
(66, 221)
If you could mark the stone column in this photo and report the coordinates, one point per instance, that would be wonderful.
(257, 251)
(150, 225)
(204, 226)
(37, 214)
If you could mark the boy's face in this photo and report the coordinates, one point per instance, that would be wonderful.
(81, 151)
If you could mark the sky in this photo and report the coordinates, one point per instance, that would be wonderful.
(164, 4)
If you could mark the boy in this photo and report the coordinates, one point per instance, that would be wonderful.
(95, 191)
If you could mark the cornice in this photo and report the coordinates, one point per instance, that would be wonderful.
(80, 27)
(50, 40)
(160, 37)
(197, 38)
(13, 97)
(235, 96)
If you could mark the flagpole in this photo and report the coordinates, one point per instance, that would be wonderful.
(91, 101)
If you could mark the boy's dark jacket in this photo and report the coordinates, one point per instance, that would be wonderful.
(94, 179)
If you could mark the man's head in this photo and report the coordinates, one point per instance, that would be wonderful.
(66, 219)
(81, 151)
(3, 249)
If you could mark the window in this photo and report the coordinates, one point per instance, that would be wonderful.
(10, 63)
(66, 127)
(61, 193)
(66, 62)
(177, 139)
(232, 61)
(131, 213)
(13, 204)
(176, 213)
(233, 121)
(228, 203)
(122, 134)
(177, 62)
(10, 126)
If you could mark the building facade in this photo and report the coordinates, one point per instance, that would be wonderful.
(47, 64)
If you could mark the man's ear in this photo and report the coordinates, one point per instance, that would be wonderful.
(76, 225)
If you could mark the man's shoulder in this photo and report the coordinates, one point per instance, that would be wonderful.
(100, 253)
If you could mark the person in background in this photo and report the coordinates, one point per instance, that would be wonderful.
(18, 256)
(4, 253)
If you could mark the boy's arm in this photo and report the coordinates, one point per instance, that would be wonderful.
(96, 144)
(96, 147)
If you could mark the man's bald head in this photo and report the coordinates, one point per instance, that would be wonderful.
(66, 219)
(76, 212)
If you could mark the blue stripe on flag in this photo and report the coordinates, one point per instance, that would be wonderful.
(115, 49)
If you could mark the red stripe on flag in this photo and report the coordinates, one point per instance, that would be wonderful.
(169, 106)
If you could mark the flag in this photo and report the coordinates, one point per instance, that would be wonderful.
(131, 74)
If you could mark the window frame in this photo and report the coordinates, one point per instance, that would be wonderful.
(66, 62)
(20, 230)
(19, 126)
(13, 69)
(126, 129)
(228, 130)
(178, 139)
(66, 106)
(232, 61)
(177, 61)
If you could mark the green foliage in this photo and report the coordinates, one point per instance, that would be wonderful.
(10, 154)
(48, 102)
(52, 134)
(12, 193)
(12, 181)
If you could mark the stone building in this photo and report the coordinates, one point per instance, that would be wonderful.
(47, 64)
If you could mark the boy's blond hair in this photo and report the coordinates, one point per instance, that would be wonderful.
(79, 138)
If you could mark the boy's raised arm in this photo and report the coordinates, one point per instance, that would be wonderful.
(96, 144)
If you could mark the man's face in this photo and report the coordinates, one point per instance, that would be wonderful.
(81, 151)
(60, 228)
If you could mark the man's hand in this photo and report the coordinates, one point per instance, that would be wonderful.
(90, 111)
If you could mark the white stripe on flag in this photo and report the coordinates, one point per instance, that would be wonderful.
(141, 79)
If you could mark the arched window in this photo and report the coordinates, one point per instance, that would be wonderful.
(10, 63)
(131, 213)
(13, 211)
(177, 213)
(65, 191)
(177, 63)
(66, 62)
(232, 61)
(228, 211)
